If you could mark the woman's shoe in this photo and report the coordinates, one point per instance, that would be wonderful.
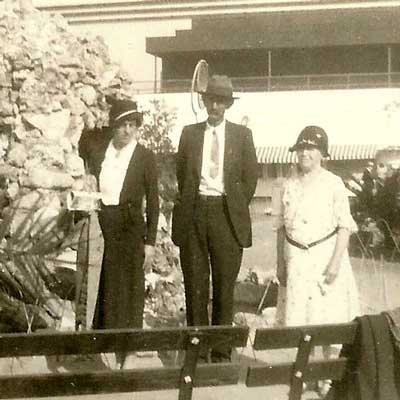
(310, 386)
(120, 360)
(324, 386)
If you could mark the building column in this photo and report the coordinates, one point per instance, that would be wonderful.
(155, 88)
(389, 65)
(269, 69)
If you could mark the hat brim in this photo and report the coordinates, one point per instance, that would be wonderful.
(297, 147)
(205, 93)
(136, 116)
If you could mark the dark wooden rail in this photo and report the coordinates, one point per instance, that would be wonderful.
(183, 377)
(304, 338)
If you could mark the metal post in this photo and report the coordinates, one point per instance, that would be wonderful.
(389, 64)
(269, 69)
(155, 74)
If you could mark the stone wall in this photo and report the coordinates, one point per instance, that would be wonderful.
(53, 84)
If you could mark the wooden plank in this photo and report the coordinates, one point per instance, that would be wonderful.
(299, 367)
(31, 386)
(289, 337)
(281, 373)
(188, 371)
(108, 341)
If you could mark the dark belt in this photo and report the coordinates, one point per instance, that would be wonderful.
(307, 246)
(215, 199)
(121, 206)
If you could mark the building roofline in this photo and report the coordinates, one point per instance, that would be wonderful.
(317, 28)
(79, 11)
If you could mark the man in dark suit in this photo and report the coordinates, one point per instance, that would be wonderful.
(217, 176)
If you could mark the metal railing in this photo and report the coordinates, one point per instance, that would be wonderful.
(282, 83)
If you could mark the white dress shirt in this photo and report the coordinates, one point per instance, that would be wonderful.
(213, 186)
(113, 172)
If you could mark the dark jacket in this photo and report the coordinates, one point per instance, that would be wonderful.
(140, 180)
(373, 371)
(240, 179)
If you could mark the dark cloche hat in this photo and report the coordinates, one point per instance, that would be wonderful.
(122, 110)
(312, 136)
(219, 85)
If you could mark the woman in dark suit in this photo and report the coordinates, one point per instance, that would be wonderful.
(127, 179)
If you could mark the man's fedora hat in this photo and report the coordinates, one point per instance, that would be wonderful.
(219, 85)
(122, 110)
(312, 136)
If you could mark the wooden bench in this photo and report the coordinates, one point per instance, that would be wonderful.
(303, 369)
(183, 377)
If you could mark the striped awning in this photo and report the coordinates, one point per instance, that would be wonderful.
(282, 155)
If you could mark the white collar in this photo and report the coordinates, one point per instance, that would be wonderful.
(220, 128)
(126, 151)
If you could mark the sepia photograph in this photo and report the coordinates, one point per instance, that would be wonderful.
(200, 199)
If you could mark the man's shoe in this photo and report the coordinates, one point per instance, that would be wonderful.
(203, 359)
(220, 358)
(120, 360)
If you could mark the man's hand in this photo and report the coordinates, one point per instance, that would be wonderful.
(149, 253)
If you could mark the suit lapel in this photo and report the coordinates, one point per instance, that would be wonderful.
(229, 144)
(198, 148)
(131, 173)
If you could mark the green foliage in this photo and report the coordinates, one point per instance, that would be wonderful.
(30, 241)
(165, 298)
(158, 122)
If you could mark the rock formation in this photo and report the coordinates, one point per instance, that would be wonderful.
(53, 84)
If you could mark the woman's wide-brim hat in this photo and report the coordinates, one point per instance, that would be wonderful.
(122, 110)
(312, 136)
(219, 86)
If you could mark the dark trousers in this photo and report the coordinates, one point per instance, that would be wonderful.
(120, 300)
(210, 243)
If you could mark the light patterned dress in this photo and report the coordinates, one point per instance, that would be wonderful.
(310, 213)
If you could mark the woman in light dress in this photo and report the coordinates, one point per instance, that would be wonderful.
(317, 284)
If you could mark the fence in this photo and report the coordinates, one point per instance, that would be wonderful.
(282, 83)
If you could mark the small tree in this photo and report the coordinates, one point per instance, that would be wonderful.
(158, 122)
(165, 299)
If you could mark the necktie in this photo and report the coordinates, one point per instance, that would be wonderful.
(214, 160)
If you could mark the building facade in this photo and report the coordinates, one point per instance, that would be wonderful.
(333, 63)
(263, 44)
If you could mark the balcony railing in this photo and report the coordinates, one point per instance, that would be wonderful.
(282, 83)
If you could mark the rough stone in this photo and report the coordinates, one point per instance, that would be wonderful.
(6, 107)
(47, 179)
(10, 172)
(74, 165)
(53, 126)
(47, 154)
(53, 85)
(88, 95)
(17, 155)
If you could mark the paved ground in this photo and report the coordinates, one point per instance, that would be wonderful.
(379, 285)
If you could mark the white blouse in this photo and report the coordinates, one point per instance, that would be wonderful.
(113, 172)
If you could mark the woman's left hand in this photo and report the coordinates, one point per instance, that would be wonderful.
(331, 272)
(149, 252)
